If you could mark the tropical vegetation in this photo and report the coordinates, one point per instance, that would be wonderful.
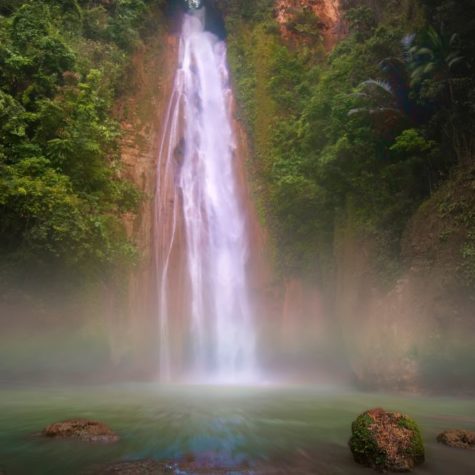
(62, 189)
(364, 135)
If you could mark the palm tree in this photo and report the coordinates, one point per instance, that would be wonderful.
(390, 99)
(379, 97)
(381, 104)
(433, 55)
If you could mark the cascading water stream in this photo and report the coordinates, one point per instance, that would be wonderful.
(197, 185)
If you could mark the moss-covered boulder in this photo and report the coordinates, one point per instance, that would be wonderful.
(458, 439)
(386, 441)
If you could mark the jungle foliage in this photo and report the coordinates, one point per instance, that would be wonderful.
(371, 130)
(62, 194)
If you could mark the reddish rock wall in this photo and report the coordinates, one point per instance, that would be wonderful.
(141, 114)
(327, 12)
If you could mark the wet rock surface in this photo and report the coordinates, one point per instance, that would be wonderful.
(81, 429)
(149, 467)
(386, 441)
(299, 462)
(138, 467)
(457, 438)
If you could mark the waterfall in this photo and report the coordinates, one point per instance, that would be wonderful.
(199, 214)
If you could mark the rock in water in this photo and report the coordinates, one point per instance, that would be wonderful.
(459, 439)
(81, 429)
(386, 441)
(138, 467)
(152, 467)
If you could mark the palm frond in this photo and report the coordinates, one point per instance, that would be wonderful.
(383, 85)
(358, 110)
(454, 39)
(421, 52)
(435, 38)
(453, 60)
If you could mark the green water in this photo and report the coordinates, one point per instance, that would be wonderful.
(295, 430)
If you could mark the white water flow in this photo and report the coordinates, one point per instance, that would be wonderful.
(197, 174)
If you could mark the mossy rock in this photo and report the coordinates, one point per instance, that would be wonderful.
(386, 441)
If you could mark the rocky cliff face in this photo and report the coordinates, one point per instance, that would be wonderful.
(289, 311)
(418, 333)
(324, 15)
(141, 113)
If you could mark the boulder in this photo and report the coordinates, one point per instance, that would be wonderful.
(386, 441)
(81, 429)
(459, 439)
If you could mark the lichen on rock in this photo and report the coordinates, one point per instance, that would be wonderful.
(386, 441)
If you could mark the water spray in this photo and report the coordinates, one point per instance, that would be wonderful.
(194, 4)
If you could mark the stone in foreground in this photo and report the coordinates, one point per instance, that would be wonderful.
(190, 464)
(139, 467)
(386, 441)
(81, 429)
(152, 467)
(459, 439)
